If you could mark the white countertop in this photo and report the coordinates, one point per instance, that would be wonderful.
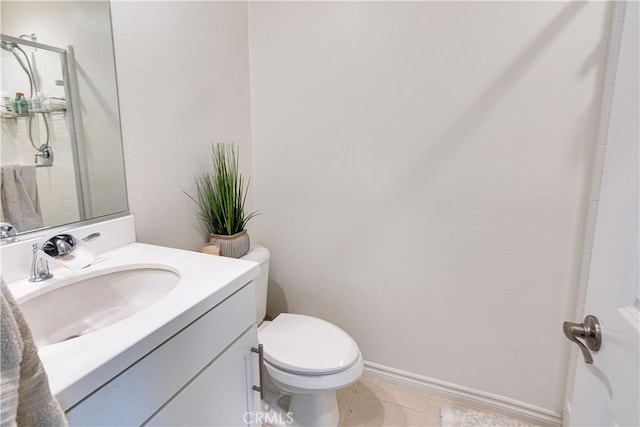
(79, 366)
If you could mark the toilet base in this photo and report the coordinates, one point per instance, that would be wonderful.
(304, 409)
(315, 409)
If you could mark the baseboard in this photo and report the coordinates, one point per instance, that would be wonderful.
(480, 399)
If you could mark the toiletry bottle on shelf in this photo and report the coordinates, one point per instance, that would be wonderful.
(16, 103)
(6, 103)
(23, 106)
(35, 102)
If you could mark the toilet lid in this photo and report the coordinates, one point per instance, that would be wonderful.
(307, 345)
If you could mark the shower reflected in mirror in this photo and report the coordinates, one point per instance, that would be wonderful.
(37, 112)
(61, 145)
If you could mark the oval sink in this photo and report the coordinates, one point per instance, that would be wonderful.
(86, 305)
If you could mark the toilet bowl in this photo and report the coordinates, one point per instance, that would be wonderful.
(305, 358)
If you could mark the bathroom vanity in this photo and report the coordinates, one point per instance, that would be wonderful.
(180, 355)
(183, 359)
(200, 376)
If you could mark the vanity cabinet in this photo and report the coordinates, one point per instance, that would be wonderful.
(218, 395)
(203, 375)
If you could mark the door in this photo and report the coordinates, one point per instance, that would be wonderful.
(605, 393)
(221, 394)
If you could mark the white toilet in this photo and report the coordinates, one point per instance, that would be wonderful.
(306, 358)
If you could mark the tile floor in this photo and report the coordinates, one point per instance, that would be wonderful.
(372, 402)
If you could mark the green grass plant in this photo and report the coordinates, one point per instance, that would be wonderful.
(222, 193)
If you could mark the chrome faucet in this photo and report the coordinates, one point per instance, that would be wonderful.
(56, 247)
(39, 266)
(7, 233)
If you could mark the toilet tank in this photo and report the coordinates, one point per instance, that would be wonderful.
(260, 255)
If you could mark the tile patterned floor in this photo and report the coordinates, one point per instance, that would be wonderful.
(372, 402)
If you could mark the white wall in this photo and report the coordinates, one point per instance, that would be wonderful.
(422, 172)
(183, 76)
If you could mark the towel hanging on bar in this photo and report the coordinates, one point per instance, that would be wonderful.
(19, 197)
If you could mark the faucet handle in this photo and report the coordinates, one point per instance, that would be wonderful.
(91, 237)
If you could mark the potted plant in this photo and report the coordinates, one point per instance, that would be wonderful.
(220, 198)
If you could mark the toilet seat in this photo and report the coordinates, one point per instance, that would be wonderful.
(308, 384)
(306, 345)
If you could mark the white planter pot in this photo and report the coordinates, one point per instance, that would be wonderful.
(233, 246)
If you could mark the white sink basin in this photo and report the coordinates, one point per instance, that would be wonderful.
(86, 304)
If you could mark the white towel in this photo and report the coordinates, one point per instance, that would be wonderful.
(19, 195)
(24, 386)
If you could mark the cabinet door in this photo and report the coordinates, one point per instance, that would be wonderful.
(221, 394)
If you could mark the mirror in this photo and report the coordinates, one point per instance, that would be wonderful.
(61, 147)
